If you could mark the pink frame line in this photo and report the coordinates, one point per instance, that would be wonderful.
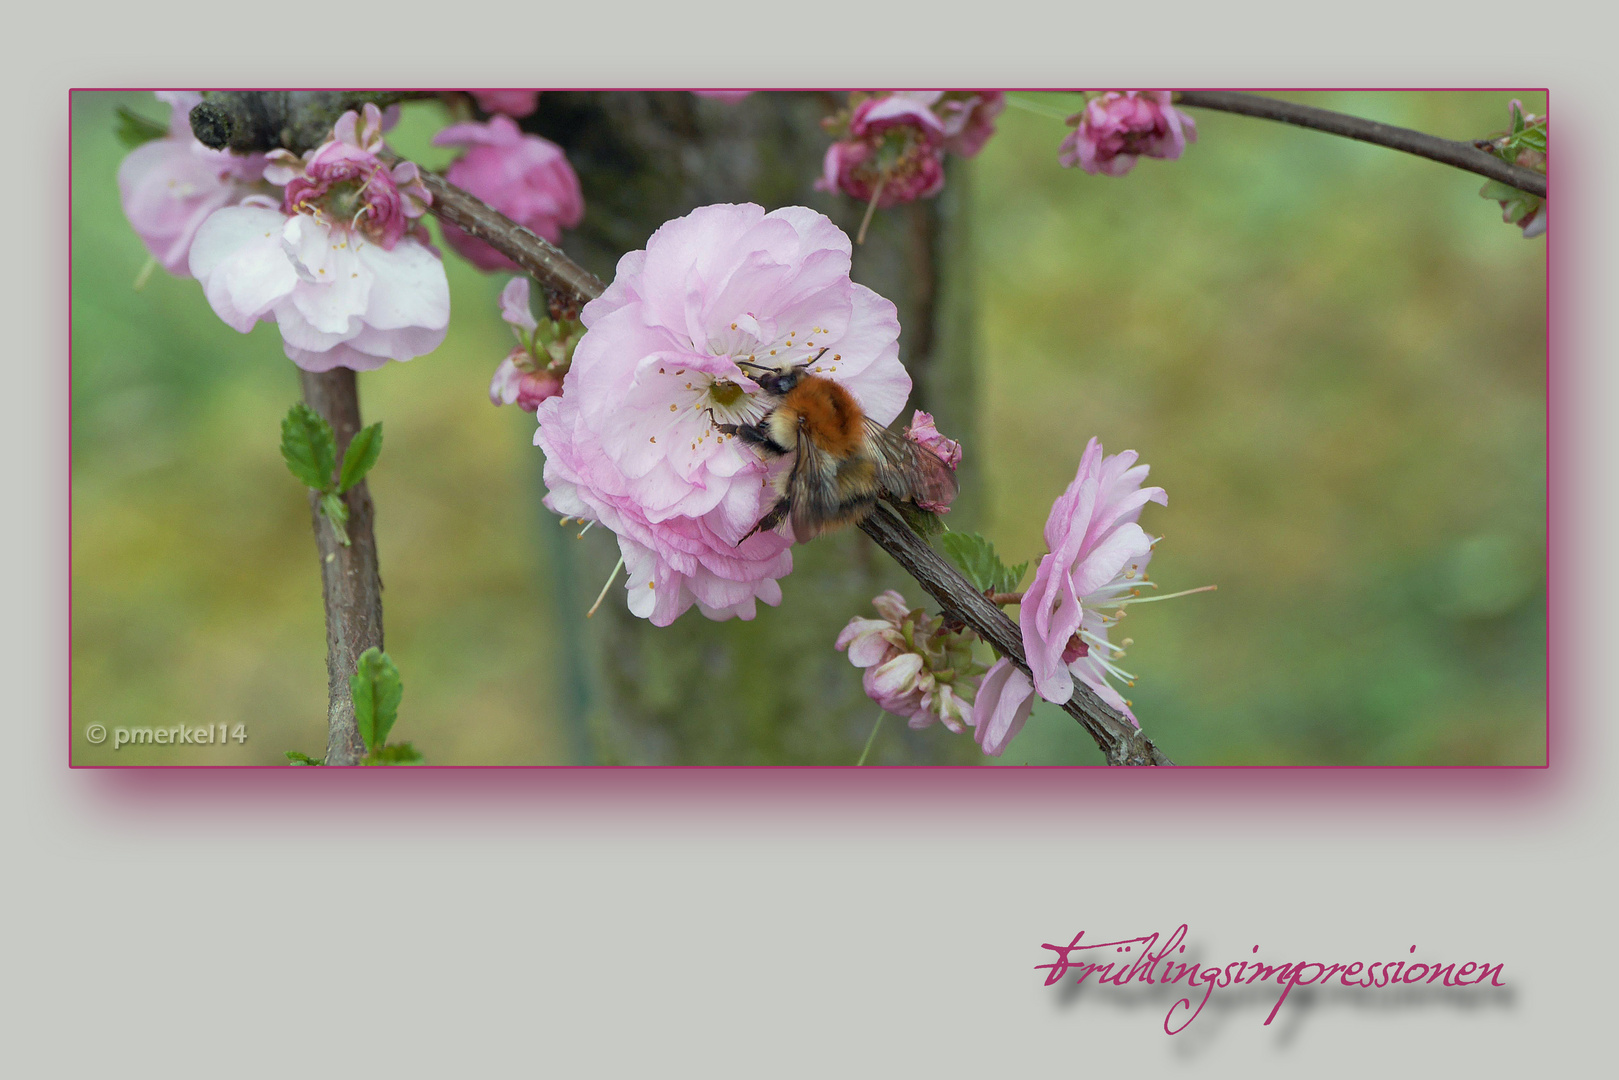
(791, 781)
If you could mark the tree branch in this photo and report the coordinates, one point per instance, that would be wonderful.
(1446, 151)
(546, 263)
(258, 121)
(1120, 741)
(350, 583)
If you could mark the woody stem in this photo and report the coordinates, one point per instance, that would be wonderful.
(1446, 151)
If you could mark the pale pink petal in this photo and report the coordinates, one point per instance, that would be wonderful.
(1005, 698)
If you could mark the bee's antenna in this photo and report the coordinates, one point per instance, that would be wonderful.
(750, 363)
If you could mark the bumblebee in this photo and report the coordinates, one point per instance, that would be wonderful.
(844, 461)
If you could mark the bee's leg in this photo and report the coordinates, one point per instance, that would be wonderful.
(752, 434)
(777, 515)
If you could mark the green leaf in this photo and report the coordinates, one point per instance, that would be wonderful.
(393, 754)
(135, 130)
(337, 512)
(1016, 576)
(297, 757)
(976, 558)
(376, 689)
(308, 446)
(924, 523)
(360, 456)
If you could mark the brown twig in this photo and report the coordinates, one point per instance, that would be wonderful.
(546, 263)
(1446, 151)
(1122, 743)
(350, 583)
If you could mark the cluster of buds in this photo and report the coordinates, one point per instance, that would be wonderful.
(891, 147)
(915, 667)
(533, 370)
(1523, 144)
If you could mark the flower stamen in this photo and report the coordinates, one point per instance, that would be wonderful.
(609, 584)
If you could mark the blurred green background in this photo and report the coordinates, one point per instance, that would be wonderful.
(1332, 356)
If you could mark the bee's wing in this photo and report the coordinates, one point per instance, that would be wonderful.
(812, 490)
(908, 471)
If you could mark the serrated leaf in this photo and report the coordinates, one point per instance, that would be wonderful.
(299, 758)
(337, 512)
(394, 754)
(360, 456)
(1015, 576)
(376, 690)
(136, 130)
(976, 558)
(308, 447)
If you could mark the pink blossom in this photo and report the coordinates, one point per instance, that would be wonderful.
(923, 433)
(895, 151)
(169, 186)
(1005, 697)
(525, 177)
(1097, 554)
(966, 117)
(340, 266)
(631, 443)
(730, 97)
(514, 383)
(533, 370)
(876, 115)
(1116, 128)
(345, 178)
(913, 668)
(510, 102)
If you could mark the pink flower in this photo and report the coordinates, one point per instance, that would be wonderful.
(510, 102)
(913, 668)
(895, 151)
(523, 176)
(345, 178)
(514, 383)
(923, 433)
(533, 370)
(1097, 554)
(631, 443)
(876, 115)
(169, 186)
(969, 118)
(966, 117)
(340, 265)
(1005, 697)
(730, 97)
(1115, 129)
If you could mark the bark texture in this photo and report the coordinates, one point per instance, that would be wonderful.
(351, 585)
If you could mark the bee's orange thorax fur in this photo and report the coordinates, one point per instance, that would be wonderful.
(828, 413)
